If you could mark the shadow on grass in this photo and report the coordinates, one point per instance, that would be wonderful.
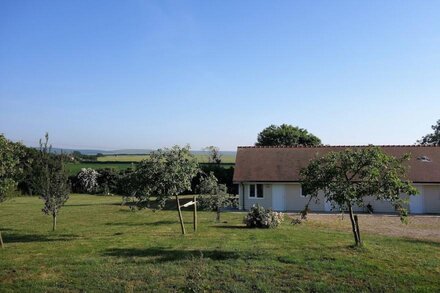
(165, 222)
(91, 204)
(422, 241)
(159, 254)
(231, 227)
(154, 204)
(14, 237)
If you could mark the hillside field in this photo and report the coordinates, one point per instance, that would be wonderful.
(103, 246)
(137, 158)
(74, 168)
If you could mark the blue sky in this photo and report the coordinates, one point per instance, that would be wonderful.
(149, 74)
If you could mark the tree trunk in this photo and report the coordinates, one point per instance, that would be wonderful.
(54, 222)
(218, 215)
(1, 240)
(195, 213)
(356, 221)
(353, 225)
(182, 225)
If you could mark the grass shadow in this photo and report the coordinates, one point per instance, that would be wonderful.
(26, 238)
(422, 241)
(169, 204)
(91, 204)
(128, 224)
(160, 254)
(232, 227)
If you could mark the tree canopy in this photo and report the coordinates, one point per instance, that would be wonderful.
(10, 168)
(168, 172)
(347, 177)
(213, 196)
(52, 181)
(432, 138)
(214, 155)
(286, 135)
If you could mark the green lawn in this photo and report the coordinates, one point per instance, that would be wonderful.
(101, 246)
(136, 158)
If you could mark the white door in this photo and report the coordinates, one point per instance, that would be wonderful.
(278, 197)
(416, 205)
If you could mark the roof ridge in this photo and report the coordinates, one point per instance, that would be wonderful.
(336, 146)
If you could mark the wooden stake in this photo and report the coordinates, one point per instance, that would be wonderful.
(195, 213)
(182, 225)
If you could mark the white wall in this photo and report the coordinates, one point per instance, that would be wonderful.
(294, 201)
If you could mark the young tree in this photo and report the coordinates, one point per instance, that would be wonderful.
(88, 179)
(213, 196)
(346, 177)
(168, 173)
(432, 138)
(286, 135)
(52, 181)
(10, 154)
(214, 155)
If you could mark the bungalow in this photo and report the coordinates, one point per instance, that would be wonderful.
(270, 177)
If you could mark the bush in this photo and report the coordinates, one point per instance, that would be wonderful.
(259, 217)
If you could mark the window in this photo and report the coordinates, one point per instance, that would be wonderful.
(252, 190)
(304, 192)
(260, 190)
(256, 190)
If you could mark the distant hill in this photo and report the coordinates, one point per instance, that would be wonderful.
(127, 152)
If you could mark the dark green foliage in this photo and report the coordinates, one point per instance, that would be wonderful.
(348, 176)
(286, 135)
(432, 138)
(107, 181)
(10, 167)
(26, 182)
(129, 185)
(223, 173)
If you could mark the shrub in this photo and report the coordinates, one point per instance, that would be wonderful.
(259, 217)
(88, 180)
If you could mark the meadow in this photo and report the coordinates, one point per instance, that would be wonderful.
(103, 246)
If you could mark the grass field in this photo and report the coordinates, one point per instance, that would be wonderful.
(136, 158)
(102, 246)
(74, 168)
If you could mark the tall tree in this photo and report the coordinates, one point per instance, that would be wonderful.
(213, 196)
(10, 154)
(214, 155)
(286, 135)
(52, 181)
(348, 176)
(168, 173)
(432, 138)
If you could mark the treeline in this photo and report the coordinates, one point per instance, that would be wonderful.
(108, 181)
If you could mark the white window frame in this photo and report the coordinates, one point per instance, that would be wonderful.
(256, 191)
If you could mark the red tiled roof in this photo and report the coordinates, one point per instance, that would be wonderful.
(282, 164)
